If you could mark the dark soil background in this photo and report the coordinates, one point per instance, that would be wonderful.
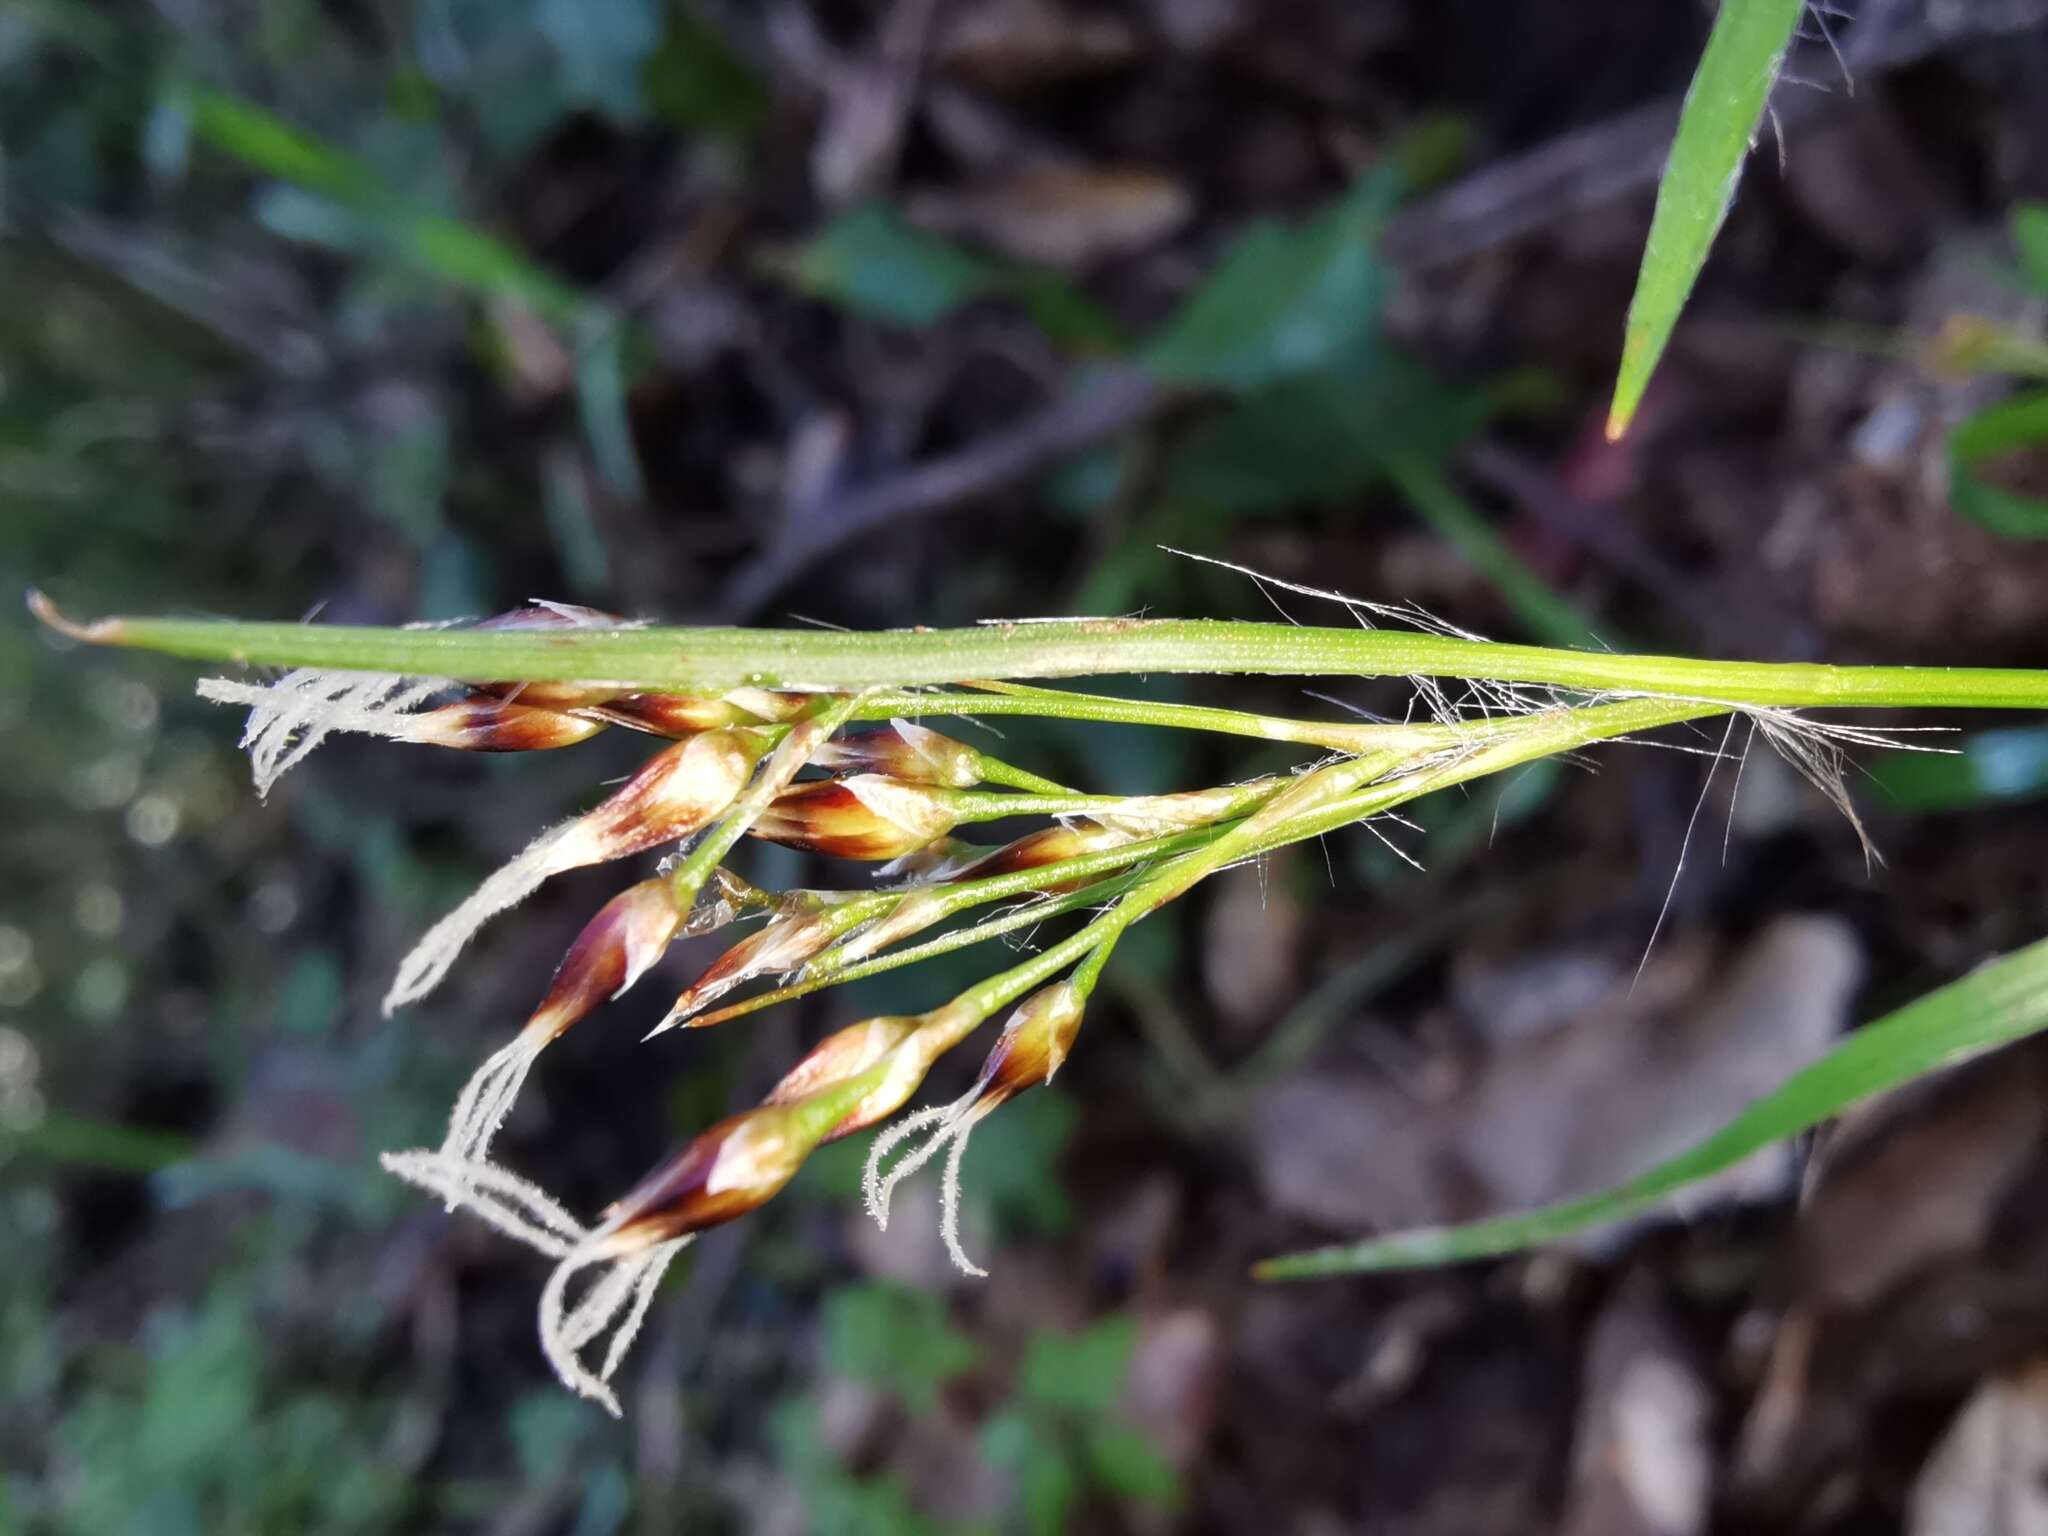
(847, 313)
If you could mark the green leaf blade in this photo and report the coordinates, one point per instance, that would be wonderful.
(1723, 108)
(2000, 1003)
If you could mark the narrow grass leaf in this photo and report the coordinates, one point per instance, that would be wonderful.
(601, 401)
(1722, 110)
(2001, 434)
(2002, 1002)
(104, 1144)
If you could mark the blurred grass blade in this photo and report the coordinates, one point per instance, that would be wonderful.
(374, 214)
(1986, 767)
(267, 143)
(2030, 234)
(2001, 1002)
(601, 401)
(1541, 609)
(1722, 110)
(2004, 431)
(102, 1144)
(443, 247)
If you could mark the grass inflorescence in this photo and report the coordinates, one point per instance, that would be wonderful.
(818, 741)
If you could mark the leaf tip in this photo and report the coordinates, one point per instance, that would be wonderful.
(98, 632)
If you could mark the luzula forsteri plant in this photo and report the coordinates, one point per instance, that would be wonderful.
(747, 714)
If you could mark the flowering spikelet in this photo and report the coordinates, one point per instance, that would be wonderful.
(865, 817)
(615, 1302)
(904, 750)
(849, 1080)
(917, 911)
(1034, 1042)
(682, 714)
(292, 716)
(1155, 815)
(783, 943)
(615, 948)
(674, 793)
(479, 723)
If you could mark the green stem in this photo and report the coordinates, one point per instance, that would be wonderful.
(1008, 776)
(1022, 699)
(1197, 809)
(716, 661)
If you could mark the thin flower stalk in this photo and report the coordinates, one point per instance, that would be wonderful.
(918, 754)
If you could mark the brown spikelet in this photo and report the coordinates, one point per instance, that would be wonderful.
(1033, 1045)
(906, 751)
(674, 793)
(615, 948)
(553, 696)
(843, 1054)
(675, 714)
(865, 817)
(485, 724)
(781, 944)
(1049, 845)
(849, 1080)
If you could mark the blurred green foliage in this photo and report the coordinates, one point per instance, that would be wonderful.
(1283, 301)
(1985, 767)
(1060, 1433)
(897, 1339)
(1998, 455)
(182, 1438)
(872, 263)
(1285, 326)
